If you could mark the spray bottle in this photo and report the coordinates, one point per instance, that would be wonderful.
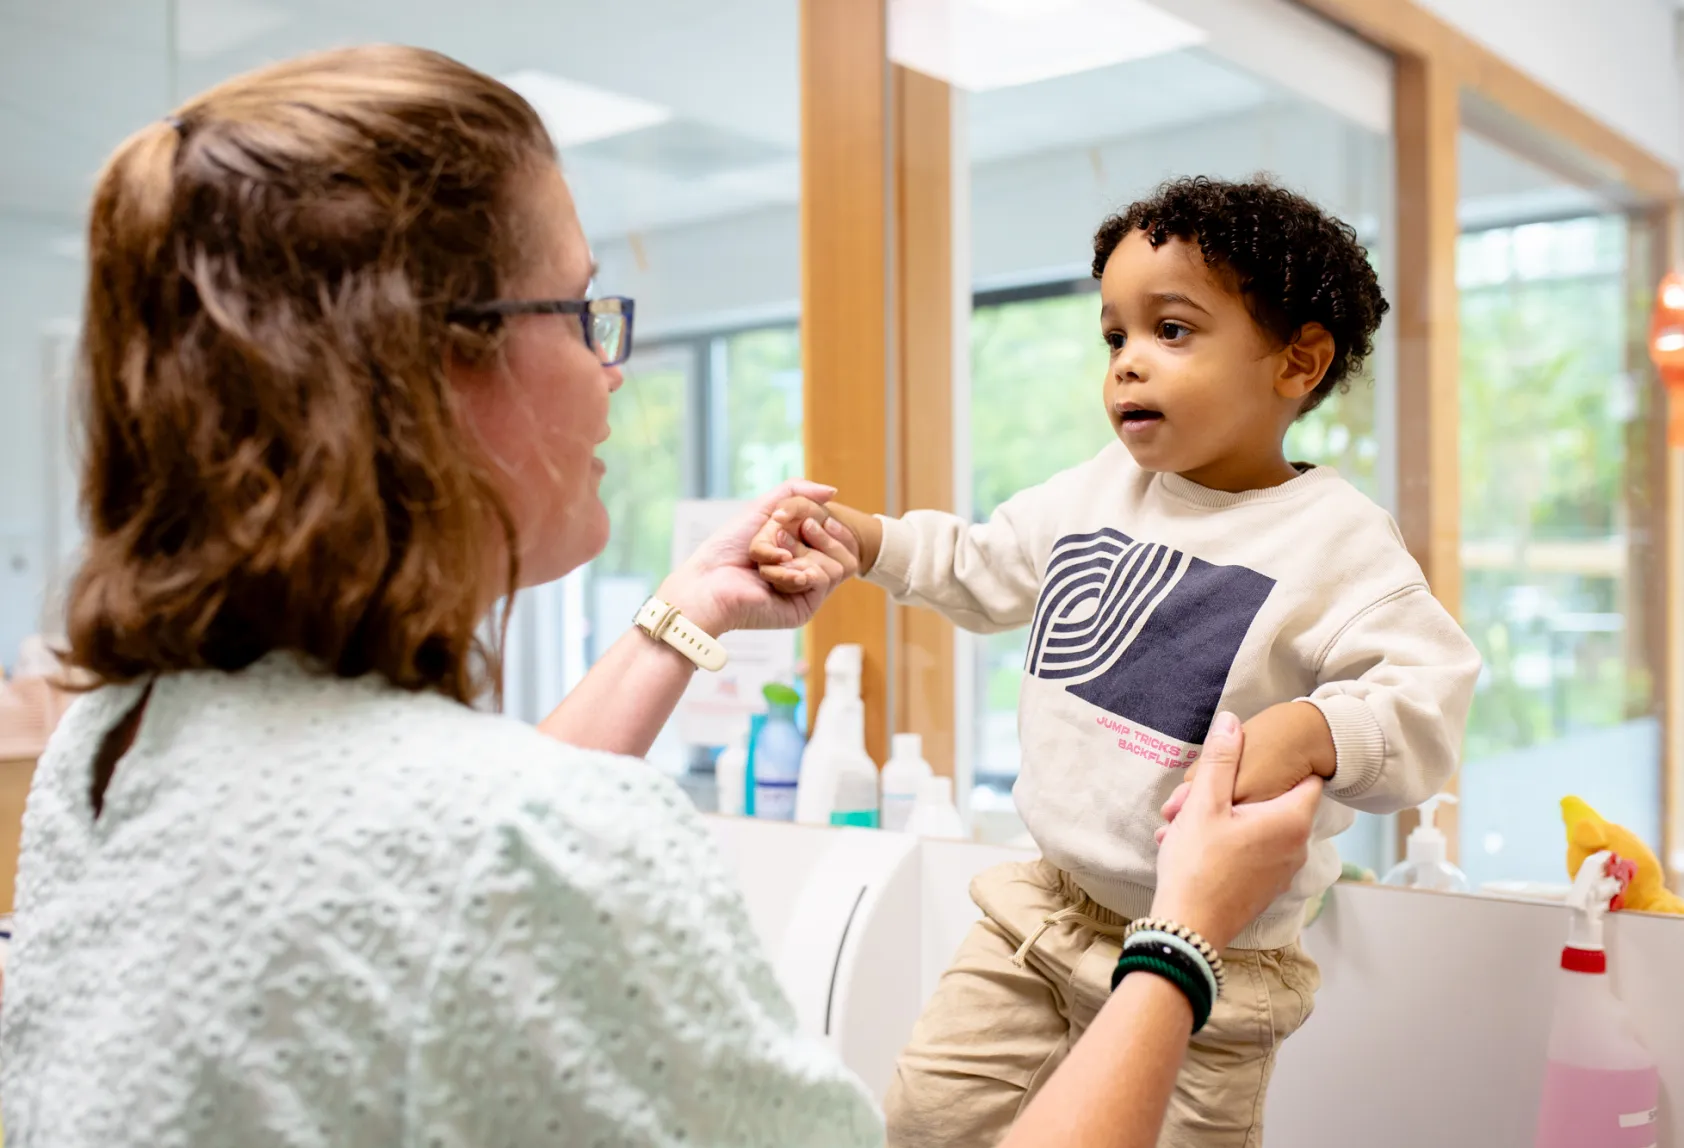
(1426, 863)
(1601, 1087)
(838, 778)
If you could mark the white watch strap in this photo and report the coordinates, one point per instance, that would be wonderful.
(664, 623)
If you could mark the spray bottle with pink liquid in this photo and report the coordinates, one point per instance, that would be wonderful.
(1601, 1088)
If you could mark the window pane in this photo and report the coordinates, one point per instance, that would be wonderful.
(762, 385)
(1556, 416)
(644, 481)
(75, 86)
(1344, 433)
(1022, 435)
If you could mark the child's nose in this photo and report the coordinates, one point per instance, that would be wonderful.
(1129, 368)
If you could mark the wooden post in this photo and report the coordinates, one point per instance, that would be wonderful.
(1428, 366)
(924, 326)
(845, 286)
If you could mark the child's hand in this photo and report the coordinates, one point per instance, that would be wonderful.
(786, 550)
(1283, 745)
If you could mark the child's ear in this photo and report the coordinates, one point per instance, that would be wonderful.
(1304, 362)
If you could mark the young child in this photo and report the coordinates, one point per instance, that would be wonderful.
(1187, 570)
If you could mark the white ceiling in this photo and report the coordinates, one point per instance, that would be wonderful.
(76, 76)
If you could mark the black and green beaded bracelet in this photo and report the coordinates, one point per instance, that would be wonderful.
(1188, 980)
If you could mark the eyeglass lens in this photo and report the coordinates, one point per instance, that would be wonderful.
(608, 333)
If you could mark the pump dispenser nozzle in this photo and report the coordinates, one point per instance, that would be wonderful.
(1426, 863)
(1426, 841)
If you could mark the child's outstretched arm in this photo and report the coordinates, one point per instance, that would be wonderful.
(981, 576)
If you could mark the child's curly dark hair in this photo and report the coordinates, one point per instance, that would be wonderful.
(1293, 263)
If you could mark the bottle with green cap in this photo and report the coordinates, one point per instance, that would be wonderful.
(777, 755)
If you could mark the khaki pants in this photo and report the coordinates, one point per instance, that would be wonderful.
(995, 1030)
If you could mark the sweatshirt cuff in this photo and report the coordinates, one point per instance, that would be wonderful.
(893, 569)
(1359, 744)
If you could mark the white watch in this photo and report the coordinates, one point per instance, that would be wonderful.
(663, 622)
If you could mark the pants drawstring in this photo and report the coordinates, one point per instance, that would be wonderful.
(1069, 913)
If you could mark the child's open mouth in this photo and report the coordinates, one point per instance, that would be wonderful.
(1137, 420)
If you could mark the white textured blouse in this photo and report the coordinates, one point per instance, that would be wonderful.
(325, 912)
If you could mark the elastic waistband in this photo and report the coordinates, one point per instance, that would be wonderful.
(1121, 902)
(1081, 902)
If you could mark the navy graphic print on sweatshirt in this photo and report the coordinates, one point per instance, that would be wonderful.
(1143, 631)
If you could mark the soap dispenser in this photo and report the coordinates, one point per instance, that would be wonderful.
(1426, 863)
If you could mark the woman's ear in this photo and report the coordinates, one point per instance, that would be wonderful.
(1304, 362)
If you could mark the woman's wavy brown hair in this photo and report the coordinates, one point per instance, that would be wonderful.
(274, 458)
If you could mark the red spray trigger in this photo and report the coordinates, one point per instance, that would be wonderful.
(1621, 870)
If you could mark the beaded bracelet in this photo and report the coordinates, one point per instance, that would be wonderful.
(1152, 940)
(1206, 950)
(1192, 986)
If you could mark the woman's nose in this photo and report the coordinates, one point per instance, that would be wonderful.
(616, 378)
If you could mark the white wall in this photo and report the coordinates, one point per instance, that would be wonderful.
(1617, 59)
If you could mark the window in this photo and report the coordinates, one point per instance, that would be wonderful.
(704, 416)
(757, 388)
(644, 456)
(1020, 438)
(1557, 457)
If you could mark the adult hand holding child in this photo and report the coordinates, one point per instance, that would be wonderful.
(1219, 866)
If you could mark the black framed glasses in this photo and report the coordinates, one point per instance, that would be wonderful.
(607, 322)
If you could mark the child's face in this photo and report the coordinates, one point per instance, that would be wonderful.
(1195, 386)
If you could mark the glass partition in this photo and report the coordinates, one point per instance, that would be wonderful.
(1558, 473)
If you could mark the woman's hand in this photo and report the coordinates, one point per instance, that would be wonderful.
(719, 587)
(1220, 864)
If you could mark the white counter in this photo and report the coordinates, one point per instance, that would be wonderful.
(1429, 1029)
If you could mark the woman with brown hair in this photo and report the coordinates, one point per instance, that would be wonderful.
(344, 383)
(281, 882)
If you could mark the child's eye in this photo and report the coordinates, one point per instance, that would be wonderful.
(1173, 332)
(1115, 340)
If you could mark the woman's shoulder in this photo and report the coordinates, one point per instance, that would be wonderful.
(378, 754)
(452, 756)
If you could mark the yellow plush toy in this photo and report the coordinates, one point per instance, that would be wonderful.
(1588, 833)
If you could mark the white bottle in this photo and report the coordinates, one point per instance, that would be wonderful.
(838, 778)
(935, 815)
(905, 771)
(730, 772)
(1426, 863)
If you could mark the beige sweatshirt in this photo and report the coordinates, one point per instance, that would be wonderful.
(1155, 604)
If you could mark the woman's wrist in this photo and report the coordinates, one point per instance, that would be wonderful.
(1189, 915)
(697, 606)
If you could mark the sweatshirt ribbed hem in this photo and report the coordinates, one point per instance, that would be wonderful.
(1275, 931)
(893, 568)
(1359, 744)
(1191, 492)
